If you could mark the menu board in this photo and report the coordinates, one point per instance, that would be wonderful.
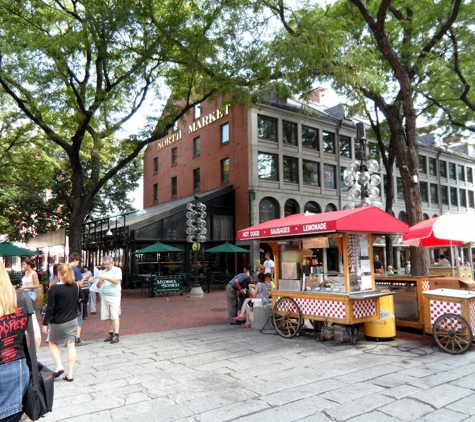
(315, 243)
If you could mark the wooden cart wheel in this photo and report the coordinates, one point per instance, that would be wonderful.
(287, 317)
(452, 333)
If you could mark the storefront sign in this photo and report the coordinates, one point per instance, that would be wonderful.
(167, 285)
(196, 125)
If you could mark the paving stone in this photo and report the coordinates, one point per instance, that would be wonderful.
(444, 415)
(442, 395)
(407, 409)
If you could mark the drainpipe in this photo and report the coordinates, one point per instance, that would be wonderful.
(338, 164)
(439, 190)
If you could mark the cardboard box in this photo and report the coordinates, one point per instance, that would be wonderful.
(457, 283)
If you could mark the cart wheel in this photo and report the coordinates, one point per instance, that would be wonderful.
(452, 333)
(287, 317)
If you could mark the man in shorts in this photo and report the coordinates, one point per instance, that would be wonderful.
(110, 280)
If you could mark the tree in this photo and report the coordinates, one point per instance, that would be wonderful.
(79, 70)
(378, 50)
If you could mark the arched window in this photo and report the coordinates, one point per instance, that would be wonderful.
(268, 209)
(425, 216)
(331, 208)
(402, 216)
(291, 207)
(435, 215)
(313, 207)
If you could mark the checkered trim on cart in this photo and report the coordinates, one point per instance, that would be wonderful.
(425, 285)
(322, 308)
(472, 316)
(439, 307)
(364, 308)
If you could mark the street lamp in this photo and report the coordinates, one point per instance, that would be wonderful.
(361, 176)
(196, 234)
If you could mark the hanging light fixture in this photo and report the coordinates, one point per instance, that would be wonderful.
(361, 176)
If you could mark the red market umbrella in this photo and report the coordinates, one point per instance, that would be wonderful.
(364, 220)
(445, 230)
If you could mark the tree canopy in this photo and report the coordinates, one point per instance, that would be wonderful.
(76, 71)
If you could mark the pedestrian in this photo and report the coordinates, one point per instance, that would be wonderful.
(92, 294)
(236, 288)
(110, 281)
(74, 261)
(260, 291)
(61, 316)
(268, 265)
(54, 279)
(390, 270)
(30, 280)
(14, 373)
(443, 261)
(86, 278)
(378, 265)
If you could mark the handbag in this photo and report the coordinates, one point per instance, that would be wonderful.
(38, 399)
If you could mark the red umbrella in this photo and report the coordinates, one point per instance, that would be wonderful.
(445, 230)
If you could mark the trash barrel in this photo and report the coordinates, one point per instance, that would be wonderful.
(383, 328)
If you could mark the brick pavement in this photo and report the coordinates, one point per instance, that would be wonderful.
(142, 314)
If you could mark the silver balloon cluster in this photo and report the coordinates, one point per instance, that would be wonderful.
(362, 179)
(196, 222)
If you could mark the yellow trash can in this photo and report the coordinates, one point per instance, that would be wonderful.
(383, 328)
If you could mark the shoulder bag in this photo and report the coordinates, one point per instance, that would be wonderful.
(79, 303)
(38, 399)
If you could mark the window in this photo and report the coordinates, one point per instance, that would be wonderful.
(328, 142)
(225, 170)
(452, 171)
(290, 208)
(196, 179)
(374, 152)
(197, 111)
(291, 169)
(422, 164)
(331, 208)
(311, 173)
(469, 175)
(345, 146)
(461, 173)
(432, 166)
(329, 176)
(155, 165)
(444, 195)
(174, 156)
(267, 166)
(470, 198)
(399, 192)
(175, 126)
(155, 192)
(196, 146)
(267, 128)
(453, 197)
(225, 133)
(344, 188)
(443, 168)
(268, 210)
(424, 191)
(174, 186)
(434, 194)
(312, 207)
(289, 133)
(462, 198)
(310, 138)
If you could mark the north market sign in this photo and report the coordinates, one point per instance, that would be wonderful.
(196, 125)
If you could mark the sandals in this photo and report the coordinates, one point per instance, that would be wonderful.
(58, 373)
(238, 318)
(246, 326)
(68, 379)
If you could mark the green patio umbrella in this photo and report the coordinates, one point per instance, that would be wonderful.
(158, 247)
(9, 249)
(227, 247)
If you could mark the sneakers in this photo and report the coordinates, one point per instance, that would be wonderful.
(81, 343)
(115, 338)
(111, 335)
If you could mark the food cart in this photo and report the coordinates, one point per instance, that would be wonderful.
(450, 317)
(346, 297)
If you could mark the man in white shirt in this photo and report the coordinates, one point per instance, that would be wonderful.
(110, 280)
(269, 265)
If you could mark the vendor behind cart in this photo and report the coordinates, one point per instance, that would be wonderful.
(237, 288)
